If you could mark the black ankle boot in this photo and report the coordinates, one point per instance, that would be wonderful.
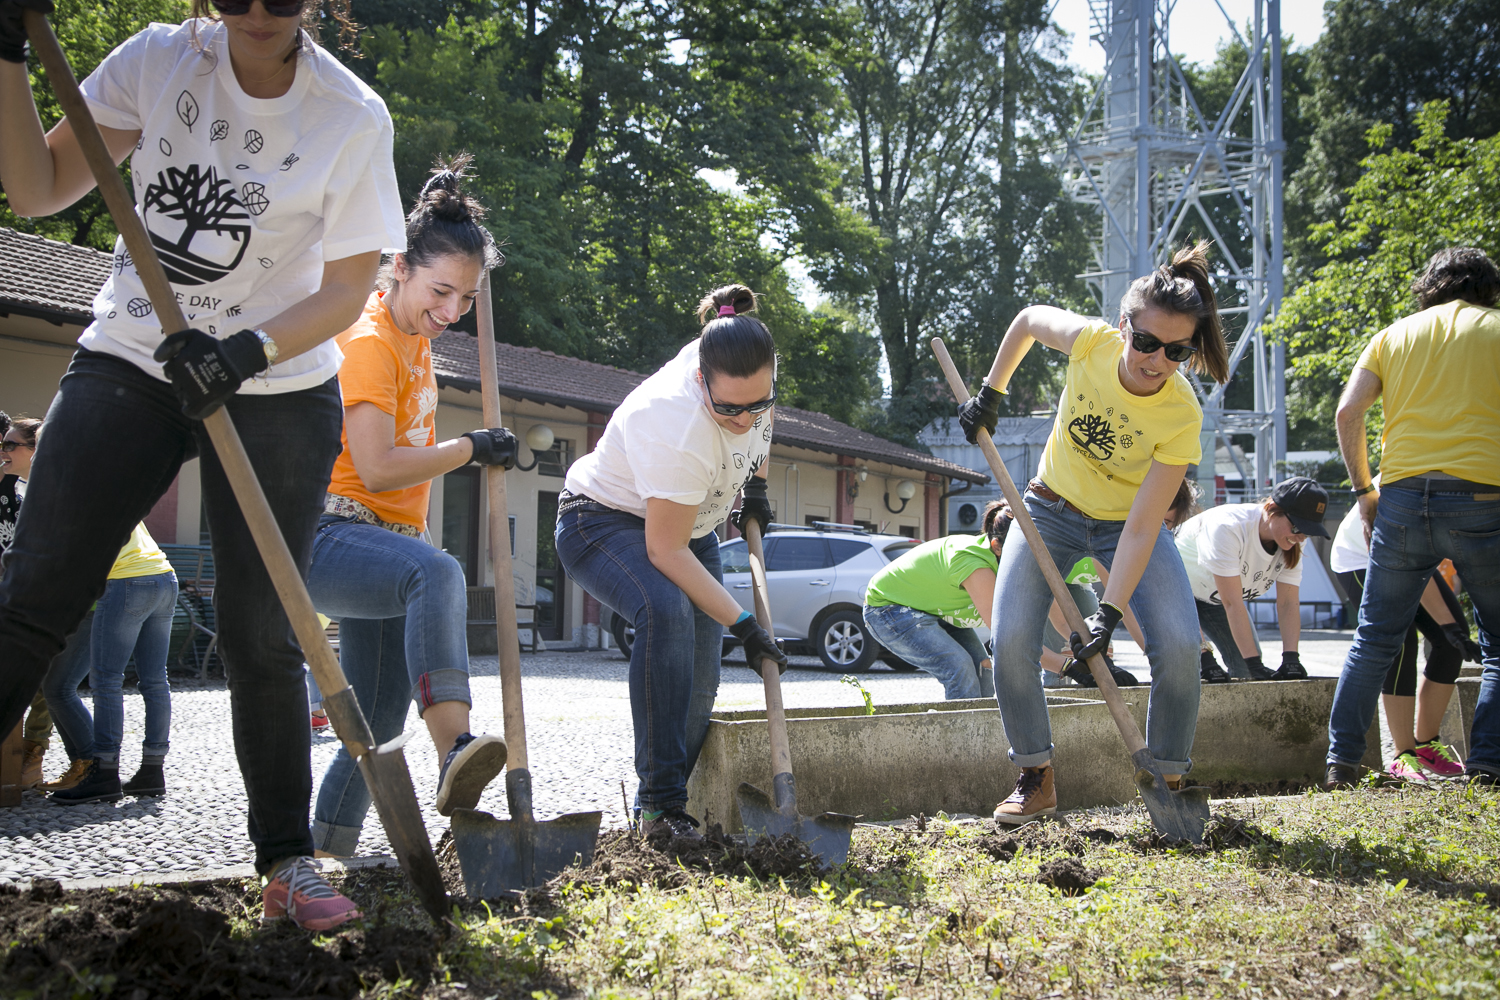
(98, 785)
(148, 780)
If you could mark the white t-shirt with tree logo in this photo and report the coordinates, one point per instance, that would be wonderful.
(244, 198)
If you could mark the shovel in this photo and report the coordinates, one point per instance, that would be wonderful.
(384, 767)
(827, 834)
(499, 857)
(1181, 814)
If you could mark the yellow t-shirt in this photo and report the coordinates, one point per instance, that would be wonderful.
(140, 557)
(1440, 382)
(393, 370)
(1105, 438)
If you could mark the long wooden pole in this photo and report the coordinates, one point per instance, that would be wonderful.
(770, 677)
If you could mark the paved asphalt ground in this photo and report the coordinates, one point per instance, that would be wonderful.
(579, 735)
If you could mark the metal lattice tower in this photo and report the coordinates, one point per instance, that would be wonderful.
(1158, 169)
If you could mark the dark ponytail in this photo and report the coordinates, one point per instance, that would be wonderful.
(733, 344)
(1181, 286)
(997, 520)
(445, 222)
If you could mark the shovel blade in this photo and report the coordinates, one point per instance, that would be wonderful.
(389, 781)
(826, 835)
(1181, 814)
(501, 857)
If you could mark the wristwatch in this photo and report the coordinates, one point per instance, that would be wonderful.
(1362, 492)
(268, 345)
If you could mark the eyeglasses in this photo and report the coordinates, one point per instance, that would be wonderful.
(730, 410)
(233, 8)
(10, 446)
(1148, 344)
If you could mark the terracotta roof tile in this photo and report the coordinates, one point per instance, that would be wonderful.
(52, 280)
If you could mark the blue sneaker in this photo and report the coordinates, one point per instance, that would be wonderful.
(471, 765)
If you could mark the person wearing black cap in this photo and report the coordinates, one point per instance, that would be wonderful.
(1234, 553)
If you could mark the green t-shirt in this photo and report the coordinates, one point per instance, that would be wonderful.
(931, 578)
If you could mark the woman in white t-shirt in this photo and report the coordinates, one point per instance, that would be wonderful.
(1234, 553)
(262, 168)
(635, 528)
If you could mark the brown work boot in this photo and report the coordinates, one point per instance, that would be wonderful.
(72, 776)
(31, 764)
(1034, 796)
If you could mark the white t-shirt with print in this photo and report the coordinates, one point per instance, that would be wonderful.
(1225, 541)
(1349, 553)
(663, 442)
(245, 198)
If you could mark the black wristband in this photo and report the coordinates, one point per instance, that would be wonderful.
(1367, 489)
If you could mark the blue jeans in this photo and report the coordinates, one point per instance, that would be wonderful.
(674, 663)
(115, 439)
(133, 616)
(1414, 531)
(1214, 621)
(1163, 604)
(947, 652)
(402, 613)
(60, 688)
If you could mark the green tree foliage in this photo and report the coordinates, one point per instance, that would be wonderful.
(88, 32)
(951, 106)
(1408, 204)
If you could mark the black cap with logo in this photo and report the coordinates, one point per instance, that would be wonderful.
(1303, 501)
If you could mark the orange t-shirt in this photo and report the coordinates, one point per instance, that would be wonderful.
(393, 370)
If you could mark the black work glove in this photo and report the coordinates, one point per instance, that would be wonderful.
(982, 410)
(1291, 667)
(206, 371)
(1457, 634)
(13, 28)
(1101, 626)
(758, 644)
(494, 446)
(754, 506)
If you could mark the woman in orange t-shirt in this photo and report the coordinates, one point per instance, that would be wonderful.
(400, 601)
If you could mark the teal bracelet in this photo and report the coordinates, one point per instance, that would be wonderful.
(742, 617)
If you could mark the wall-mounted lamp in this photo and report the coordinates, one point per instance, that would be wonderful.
(906, 489)
(864, 473)
(539, 439)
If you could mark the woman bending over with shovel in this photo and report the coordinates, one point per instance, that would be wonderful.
(262, 168)
(635, 527)
(399, 600)
(1127, 427)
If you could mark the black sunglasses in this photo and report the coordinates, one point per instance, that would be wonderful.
(234, 9)
(1147, 344)
(10, 446)
(730, 410)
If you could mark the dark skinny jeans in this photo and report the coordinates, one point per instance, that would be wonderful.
(114, 440)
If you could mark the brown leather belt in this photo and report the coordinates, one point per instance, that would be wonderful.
(1050, 495)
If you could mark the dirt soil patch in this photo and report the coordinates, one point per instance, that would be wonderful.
(623, 859)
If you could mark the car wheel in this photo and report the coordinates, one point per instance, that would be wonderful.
(844, 643)
(624, 634)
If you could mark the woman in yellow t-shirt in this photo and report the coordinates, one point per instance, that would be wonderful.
(1127, 428)
(400, 601)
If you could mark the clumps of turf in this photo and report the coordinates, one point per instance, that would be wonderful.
(624, 859)
(1068, 875)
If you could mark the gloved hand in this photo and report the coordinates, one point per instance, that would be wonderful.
(758, 644)
(206, 371)
(1101, 626)
(754, 506)
(494, 446)
(1457, 634)
(1291, 667)
(982, 410)
(1258, 670)
(13, 28)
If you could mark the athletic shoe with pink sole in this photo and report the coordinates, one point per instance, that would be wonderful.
(1408, 768)
(1439, 758)
(297, 891)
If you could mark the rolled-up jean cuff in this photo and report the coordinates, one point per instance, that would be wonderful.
(1171, 767)
(1030, 759)
(342, 841)
(1471, 765)
(437, 686)
(1347, 763)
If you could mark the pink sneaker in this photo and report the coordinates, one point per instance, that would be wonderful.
(1407, 767)
(1439, 758)
(296, 890)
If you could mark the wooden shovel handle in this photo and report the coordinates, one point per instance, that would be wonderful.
(1129, 731)
(505, 583)
(353, 731)
(770, 670)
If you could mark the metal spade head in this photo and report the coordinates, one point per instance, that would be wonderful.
(503, 856)
(1182, 814)
(389, 781)
(826, 835)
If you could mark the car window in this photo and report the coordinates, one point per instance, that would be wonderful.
(899, 549)
(797, 553)
(844, 549)
(735, 556)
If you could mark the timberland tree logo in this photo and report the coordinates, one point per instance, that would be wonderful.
(197, 223)
(1093, 434)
